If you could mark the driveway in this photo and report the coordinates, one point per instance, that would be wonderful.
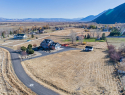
(43, 53)
(24, 78)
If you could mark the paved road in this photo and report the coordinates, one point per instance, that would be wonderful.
(21, 74)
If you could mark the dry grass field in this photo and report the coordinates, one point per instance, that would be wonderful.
(67, 32)
(81, 73)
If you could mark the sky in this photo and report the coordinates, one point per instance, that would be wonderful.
(54, 8)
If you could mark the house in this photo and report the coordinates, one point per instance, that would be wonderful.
(32, 33)
(20, 36)
(79, 37)
(41, 31)
(49, 44)
(89, 48)
(55, 46)
(105, 30)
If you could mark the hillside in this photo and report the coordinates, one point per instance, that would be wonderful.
(112, 16)
(91, 17)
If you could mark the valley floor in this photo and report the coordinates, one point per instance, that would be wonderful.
(84, 73)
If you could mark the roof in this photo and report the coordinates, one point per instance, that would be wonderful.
(20, 34)
(47, 41)
(88, 47)
(53, 44)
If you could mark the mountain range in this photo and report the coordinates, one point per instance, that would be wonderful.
(112, 16)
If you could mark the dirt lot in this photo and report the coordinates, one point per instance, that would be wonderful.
(84, 73)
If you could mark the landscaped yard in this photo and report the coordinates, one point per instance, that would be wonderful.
(82, 73)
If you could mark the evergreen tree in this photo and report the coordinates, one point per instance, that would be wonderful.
(32, 36)
(11, 33)
(103, 36)
(3, 35)
(88, 36)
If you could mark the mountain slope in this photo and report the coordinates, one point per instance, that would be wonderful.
(112, 16)
(92, 17)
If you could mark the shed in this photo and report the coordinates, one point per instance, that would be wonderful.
(89, 48)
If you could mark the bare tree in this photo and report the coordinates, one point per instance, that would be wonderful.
(81, 39)
(73, 36)
(98, 33)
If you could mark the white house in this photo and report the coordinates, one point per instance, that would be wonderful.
(20, 36)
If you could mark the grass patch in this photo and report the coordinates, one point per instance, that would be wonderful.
(87, 40)
(116, 39)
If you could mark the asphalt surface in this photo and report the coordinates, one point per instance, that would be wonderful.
(24, 78)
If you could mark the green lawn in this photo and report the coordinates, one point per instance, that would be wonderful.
(87, 40)
(116, 39)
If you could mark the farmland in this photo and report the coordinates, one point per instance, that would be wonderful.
(75, 71)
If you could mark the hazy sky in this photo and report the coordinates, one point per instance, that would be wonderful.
(54, 8)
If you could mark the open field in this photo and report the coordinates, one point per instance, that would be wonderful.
(67, 32)
(83, 73)
(116, 41)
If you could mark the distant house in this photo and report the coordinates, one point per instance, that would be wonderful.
(59, 28)
(89, 48)
(78, 37)
(41, 31)
(105, 30)
(32, 33)
(49, 44)
(20, 36)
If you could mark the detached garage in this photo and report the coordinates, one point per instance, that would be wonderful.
(89, 48)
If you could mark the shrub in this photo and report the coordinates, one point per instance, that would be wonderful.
(111, 47)
(111, 51)
(86, 30)
(84, 43)
(30, 51)
(92, 27)
(29, 46)
(23, 48)
(115, 56)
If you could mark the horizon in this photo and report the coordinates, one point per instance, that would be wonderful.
(11, 9)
